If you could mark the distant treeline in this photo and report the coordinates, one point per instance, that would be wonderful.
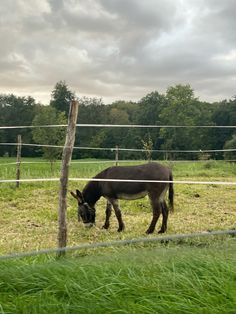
(178, 106)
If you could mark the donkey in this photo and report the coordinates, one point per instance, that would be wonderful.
(113, 191)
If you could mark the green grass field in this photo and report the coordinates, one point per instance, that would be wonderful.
(190, 276)
(29, 214)
(174, 279)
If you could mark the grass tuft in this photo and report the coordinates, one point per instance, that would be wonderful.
(148, 280)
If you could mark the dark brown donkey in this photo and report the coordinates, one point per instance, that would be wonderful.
(113, 191)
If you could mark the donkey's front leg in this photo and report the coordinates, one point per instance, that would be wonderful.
(156, 211)
(117, 210)
(108, 215)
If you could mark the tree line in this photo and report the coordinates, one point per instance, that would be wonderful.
(178, 106)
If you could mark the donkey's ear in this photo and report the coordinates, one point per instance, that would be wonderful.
(74, 195)
(79, 196)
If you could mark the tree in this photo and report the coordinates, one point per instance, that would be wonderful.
(91, 110)
(149, 112)
(148, 147)
(182, 109)
(114, 136)
(53, 136)
(180, 95)
(61, 97)
(224, 114)
(16, 110)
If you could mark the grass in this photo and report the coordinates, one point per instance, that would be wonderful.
(191, 276)
(29, 214)
(132, 280)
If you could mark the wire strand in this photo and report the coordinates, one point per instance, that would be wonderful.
(162, 239)
(117, 126)
(124, 149)
(121, 180)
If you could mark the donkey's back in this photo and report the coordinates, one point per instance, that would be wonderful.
(149, 171)
(132, 190)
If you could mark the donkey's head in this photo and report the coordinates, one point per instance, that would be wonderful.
(85, 211)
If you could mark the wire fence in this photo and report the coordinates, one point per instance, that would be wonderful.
(161, 239)
(126, 149)
(94, 125)
(120, 242)
(125, 161)
(121, 180)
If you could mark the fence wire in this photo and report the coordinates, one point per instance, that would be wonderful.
(113, 149)
(128, 241)
(118, 126)
(120, 180)
(162, 239)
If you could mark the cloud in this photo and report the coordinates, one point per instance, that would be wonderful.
(118, 49)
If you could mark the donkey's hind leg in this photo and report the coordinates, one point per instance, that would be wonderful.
(165, 213)
(156, 211)
(108, 215)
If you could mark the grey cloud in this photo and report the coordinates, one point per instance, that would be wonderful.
(118, 48)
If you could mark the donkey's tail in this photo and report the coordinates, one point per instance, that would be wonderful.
(171, 193)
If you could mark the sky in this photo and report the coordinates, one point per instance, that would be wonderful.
(118, 49)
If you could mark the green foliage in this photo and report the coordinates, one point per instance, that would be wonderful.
(91, 110)
(148, 147)
(182, 109)
(49, 136)
(134, 280)
(61, 97)
(16, 110)
(180, 95)
(231, 144)
(178, 106)
(224, 114)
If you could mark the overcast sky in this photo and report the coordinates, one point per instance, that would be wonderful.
(118, 49)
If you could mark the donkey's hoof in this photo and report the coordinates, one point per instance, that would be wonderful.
(105, 227)
(121, 228)
(161, 231)
(149, 231)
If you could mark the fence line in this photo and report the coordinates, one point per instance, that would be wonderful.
(154, 126)
(122, 180)
(161, 239)
(120, 161)
(119, 242)
(117, 126)
(33, 126)
(124, 149)
(81, 162)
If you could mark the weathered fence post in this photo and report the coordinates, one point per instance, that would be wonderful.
(117, 155)
(66, 158)
(18, 160)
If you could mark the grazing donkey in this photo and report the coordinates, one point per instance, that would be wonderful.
(113, 191)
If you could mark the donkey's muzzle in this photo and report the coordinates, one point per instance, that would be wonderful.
(89, 224)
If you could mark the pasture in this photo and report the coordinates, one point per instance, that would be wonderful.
(29, 214)
(190, 276)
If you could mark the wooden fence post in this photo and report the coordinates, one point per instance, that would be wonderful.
(66, 158)
(117, 155)
(18, 160)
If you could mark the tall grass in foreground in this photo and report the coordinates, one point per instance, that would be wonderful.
(152, 280)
